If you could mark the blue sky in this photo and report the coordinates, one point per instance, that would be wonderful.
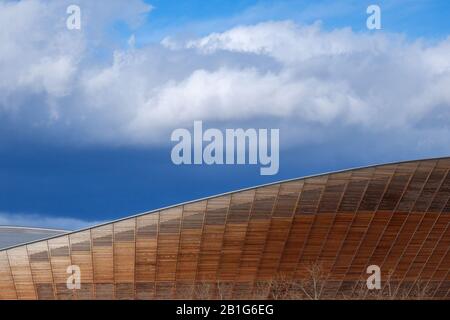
(86, 117)
(415, 18)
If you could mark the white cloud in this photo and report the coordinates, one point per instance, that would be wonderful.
(288, 42)
(275, 73)
(43, 221)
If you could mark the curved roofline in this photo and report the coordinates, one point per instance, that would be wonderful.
(224, 194)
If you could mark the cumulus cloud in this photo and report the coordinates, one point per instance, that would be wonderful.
(276, 73)
(43, 221)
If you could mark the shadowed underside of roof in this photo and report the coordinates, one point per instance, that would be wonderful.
(272, 241)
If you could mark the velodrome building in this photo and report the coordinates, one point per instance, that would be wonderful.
(306, 238)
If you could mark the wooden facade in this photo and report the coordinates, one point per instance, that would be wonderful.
(248, 243)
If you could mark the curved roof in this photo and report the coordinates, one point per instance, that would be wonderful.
(235, 191)
(247, 243)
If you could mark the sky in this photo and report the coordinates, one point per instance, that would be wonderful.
(86, 115)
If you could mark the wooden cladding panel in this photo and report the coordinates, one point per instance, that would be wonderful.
(396, 216)
(334, 240)
(283, 213)
(212, 238)
(7, 287)
(146, 250)
(235, 234)
(102, 257)
(168, 244)
(365, 256)
(190, 242)
(81, 256)
(257, 230)
(124, 251)
(437, 249)
(296, 240)
(21, 272)
(41, 270)
(40, 263)
(60, 260)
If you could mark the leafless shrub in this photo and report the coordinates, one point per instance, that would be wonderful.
(204, 291)
(310, 286)
(283, 287)
(313, 284)
(393, 290)
(224, 290)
